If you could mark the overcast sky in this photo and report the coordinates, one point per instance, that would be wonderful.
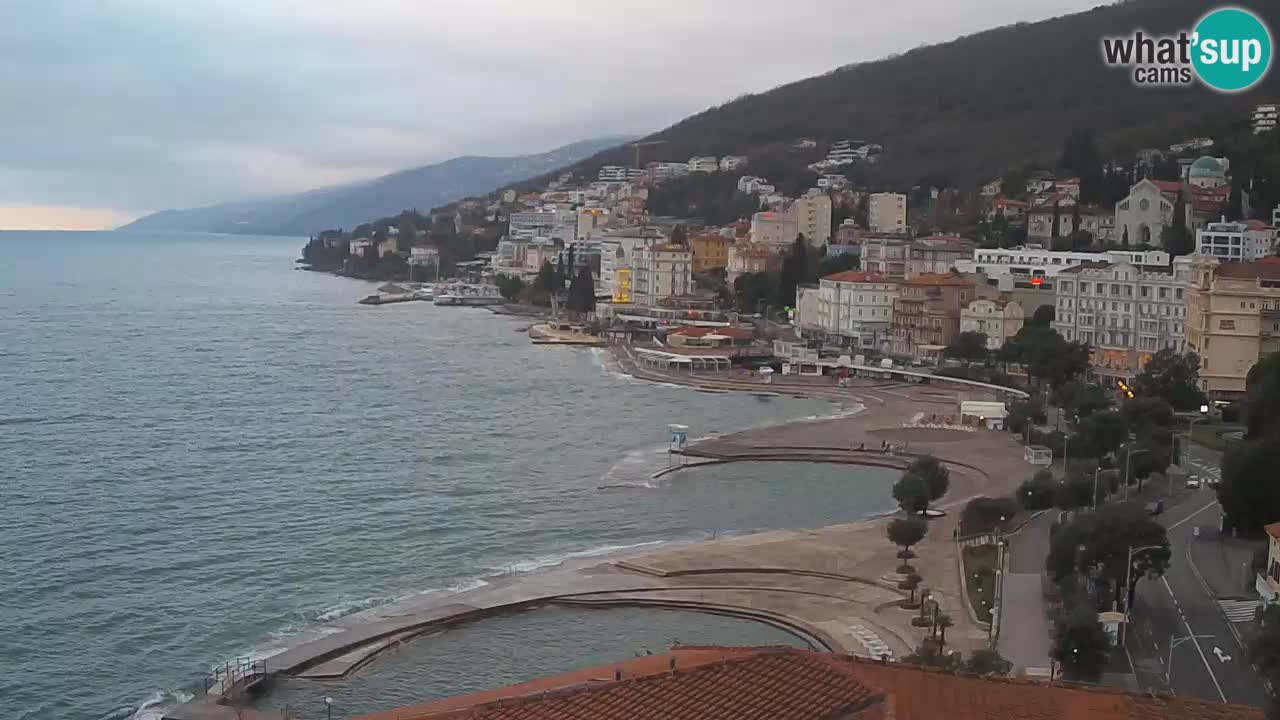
(113, 108)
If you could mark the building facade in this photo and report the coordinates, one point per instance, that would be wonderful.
(704, 164)
(1125, 313)
(710, 252)
(661, 271)
(1265, 117)
(748, 257)
(1233, 319)
(937, 254)
(778, 229)
(1235, 242)
(926, 315)
(853, 309)
(1144, 214)
(812, 214)
(885, 254)
(998, 319)
(1023, 264)
(887, 213)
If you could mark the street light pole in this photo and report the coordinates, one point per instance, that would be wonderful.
(328, 707)
(1128, 583)
(1128, 453)
(1095, 486)
(1173, 643)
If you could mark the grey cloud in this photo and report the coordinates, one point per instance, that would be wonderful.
(144, 104)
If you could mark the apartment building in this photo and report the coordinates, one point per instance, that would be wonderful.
(852, 309)
(749, 257)
(1235, 241)
(710, 252)
(729, 163)
(1124, 312)
(661, 271)
(886, 254)
(937, 254)
(926, 315)
(998, 319)
(618, 248)
(887, 213)
(1030, 264)
(778, 229)
(1233, 319)
(704, 164)
(812, 214)
(1265, 117)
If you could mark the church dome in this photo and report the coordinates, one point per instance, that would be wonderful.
(1207, 167)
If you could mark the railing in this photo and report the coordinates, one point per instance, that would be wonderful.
(232, 673)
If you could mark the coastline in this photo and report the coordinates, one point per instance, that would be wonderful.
(730, 574)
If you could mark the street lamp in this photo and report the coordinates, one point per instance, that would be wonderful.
(1095, 486)
(1191, 428)
(1173, 643)
(328, 707)
(1128, 583)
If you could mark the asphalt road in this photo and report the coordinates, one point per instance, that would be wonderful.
(1212, 666)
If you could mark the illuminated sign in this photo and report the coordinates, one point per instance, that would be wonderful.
(1037, 281)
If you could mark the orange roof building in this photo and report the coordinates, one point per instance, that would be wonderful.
(791, 684)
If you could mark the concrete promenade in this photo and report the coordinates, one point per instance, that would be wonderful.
(833, 586)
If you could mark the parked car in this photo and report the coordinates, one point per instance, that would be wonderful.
(1155, 508)
(1193, 482)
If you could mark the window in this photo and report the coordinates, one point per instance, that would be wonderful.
(1163, 293)
(1177, 293)
(1145, 291)
(1226, 324)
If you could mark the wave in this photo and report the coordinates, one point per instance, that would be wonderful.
(547, 561)
(152, 707)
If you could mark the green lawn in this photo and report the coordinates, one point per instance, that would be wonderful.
(980, 578)
(1210, 435)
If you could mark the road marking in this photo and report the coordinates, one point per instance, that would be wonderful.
(1239, 610)
(1222, 657)
(1186, 519)
(1199, 649)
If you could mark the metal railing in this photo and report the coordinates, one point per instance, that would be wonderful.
(232, 673)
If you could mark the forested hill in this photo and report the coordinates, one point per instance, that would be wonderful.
(960, 112)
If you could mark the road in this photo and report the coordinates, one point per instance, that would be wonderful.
(1179, 605)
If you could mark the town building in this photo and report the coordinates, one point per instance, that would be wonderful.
(617, 248)
(926, 315)
(782, 683)
(710, 252)
(993, 188)
(729, 163)
(1196, 143)
(1208, 172)
(749, 257)
(542, 225)
(1233, 319)
(887, 213)
(886, 254)
(1012, 210)
(812, 214)
(1125, 313)
(661, 271)
(661, 171)
(1236, 241)
(1146, 212)
(833, 182)
(1037, 265)
(852, 309)
(998, 319)
(774, 228)
(704, 164)
(937, 254)
(612, 173)
(1265, 117)
(590, 218)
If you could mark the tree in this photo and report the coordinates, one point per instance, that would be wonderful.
(509, 285)
(546, 280)
(912, 493)
(1056, 231)
(1099, 434)
(862, 212)
(1147, 411)
(1038, 493)
(1249, 493)
(941, 622)
(1080, 645)
(930, 654)
(1102, 539)
(1176, 238)
(1043, 316)
(1081, 399)
(582, 292)
(936, 476)
(987, 661)
(1080, 155)
(983, 514)
(832, 264)
(906, 532)
(1263, 397)
(799, 266)
(679, 236)
(754, 290)
(1073, 494)
(1264, 651)
(970, 346)
(1173, 377)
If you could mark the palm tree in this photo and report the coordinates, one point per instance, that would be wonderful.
(942, 621)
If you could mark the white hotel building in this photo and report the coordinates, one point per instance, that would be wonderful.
(1236, 242)
(1021, 264)
(853, 308)
(1124, 312)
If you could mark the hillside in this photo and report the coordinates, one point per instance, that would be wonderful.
(961, 112)
(349, 205)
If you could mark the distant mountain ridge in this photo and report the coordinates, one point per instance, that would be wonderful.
(348, 205)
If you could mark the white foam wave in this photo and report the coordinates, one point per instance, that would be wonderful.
(350, 607)
(155, 705)
(547, 561)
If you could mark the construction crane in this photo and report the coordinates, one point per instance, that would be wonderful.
(638, 145)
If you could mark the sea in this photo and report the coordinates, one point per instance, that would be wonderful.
(205, 451)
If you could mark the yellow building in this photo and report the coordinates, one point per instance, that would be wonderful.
(1233, 319)
(710, 252)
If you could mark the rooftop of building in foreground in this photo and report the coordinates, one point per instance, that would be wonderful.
(779, 683)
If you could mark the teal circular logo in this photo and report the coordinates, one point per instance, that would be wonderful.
(1231, 49)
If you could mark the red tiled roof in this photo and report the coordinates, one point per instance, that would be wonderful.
(1273, 530)
(1258, 225)
(1169, 186)
(1265, 269)
(940, 279)
(858, 276)
(724, 684)
(1006, 202)
(792, 684)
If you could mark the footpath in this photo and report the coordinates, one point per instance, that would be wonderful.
(1025, 634)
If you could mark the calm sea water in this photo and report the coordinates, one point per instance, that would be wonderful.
(203, 451)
